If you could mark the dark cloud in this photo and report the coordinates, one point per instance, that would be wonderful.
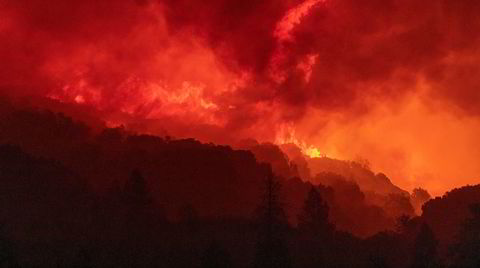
(241, 31)
(362, 46)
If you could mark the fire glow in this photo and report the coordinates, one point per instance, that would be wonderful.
(336, 78)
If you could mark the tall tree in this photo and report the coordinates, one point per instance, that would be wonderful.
(315, 230)
(272, 250)
(314, 216)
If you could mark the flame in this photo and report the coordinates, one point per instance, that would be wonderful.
(287, 135)
(155, 70)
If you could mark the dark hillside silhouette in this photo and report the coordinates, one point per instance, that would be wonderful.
(217, 179)
(75, 196)
(447, 214)
(354, 171)
(425, 249)
(466, 250)
(45, 208)
(272, 154)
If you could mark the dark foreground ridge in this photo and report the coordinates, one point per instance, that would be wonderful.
(76, 196)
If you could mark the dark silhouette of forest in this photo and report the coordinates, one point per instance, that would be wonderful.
(77, 195)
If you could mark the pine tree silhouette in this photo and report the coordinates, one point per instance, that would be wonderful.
(314, 216)
(314, 229)
(272, 249)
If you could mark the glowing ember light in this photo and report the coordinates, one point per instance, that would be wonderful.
(341, 74)
(286, 135)
(312, 152)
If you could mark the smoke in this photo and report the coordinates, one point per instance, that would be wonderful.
(395, 82)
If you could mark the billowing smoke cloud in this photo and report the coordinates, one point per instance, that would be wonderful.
(395, 82)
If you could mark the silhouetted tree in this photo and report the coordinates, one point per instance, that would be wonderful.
(272, 249)
(314, 216)
(467, 250)
(315, 230)
(425, 249)
(216, 257)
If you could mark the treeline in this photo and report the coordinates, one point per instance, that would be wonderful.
(49, 219)
(219, 180)
(76, 196)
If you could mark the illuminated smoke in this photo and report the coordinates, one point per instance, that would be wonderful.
(339, 78)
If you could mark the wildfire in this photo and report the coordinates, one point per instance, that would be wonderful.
(286, 135)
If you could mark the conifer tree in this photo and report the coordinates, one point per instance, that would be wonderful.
(272, 250)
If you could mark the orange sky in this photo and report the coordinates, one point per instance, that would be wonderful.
(414, 143)
(395, 82)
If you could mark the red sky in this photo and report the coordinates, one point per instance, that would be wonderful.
(395, 82)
